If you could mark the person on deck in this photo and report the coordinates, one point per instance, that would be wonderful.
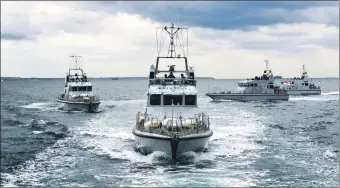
(172, 68)
(171, 75)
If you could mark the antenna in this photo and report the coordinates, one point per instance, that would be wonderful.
(172, 34)
(304, 69)
(76, 58)
(178, 19)
(175, 34)
(267, 62)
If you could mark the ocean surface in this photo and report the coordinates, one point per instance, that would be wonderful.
(291, 143)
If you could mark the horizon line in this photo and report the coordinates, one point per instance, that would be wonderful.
(146, 77)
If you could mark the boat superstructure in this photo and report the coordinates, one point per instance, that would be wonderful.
(78, 92)
(254, 89)
(172, 122)
(301, 85)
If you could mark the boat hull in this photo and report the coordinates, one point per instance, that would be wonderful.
(147, 143)
(249, 97)
(304, 92)
(80, 106)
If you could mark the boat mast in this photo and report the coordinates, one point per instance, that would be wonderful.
(267, 66)
(171, 33)
(76, 59)
(304, 69)
(76, 64)
(304, 73)
(176, 37)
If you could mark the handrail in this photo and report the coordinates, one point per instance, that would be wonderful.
(172, 81)
(201, 122)
(79, 98)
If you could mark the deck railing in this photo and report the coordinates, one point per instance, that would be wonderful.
(79, 98)
(172, 81)
(174, 125)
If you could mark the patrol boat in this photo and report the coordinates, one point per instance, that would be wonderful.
(301, 86)
(172, 122)
(254, 89)
(78, 94)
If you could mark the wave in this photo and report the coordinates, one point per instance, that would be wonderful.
(12, 122)
(331, 93)
(316, 98)
(48, 127)
(44, 106)
(122, 136)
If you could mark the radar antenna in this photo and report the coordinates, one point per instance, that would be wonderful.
(176, 39)
(171, 33)
(76, 59)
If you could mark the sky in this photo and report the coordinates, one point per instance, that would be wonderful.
(226, 39)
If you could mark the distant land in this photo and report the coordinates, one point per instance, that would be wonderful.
(95, 78)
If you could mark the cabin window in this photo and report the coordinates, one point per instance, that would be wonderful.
(73, 89)
(251, 85)
(292, 82)
(81, 88)
(168, 99)
(89, 88)
(152, 75)
(190, 100)
(271, 86)
(255, 85)
(306, 84)
(155, 99)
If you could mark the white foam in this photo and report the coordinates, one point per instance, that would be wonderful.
(38, 132)
(331, 93)
(309, 98)
(110, 135)
(44, 106)
(329, 154)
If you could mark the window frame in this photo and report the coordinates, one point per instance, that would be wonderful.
(155, 104)
(173, 97)
(195, 100)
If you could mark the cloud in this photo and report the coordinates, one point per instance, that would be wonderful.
(124, 44)
(325, 15)
(226, 14)
(13, 36)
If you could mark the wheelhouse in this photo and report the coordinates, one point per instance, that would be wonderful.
(268, 85)
(172, 99)
(80, 88)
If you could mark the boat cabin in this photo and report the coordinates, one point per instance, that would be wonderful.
(167, 87)
(252, 84)
(259, 84)
(297, 83)
(175, 99)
